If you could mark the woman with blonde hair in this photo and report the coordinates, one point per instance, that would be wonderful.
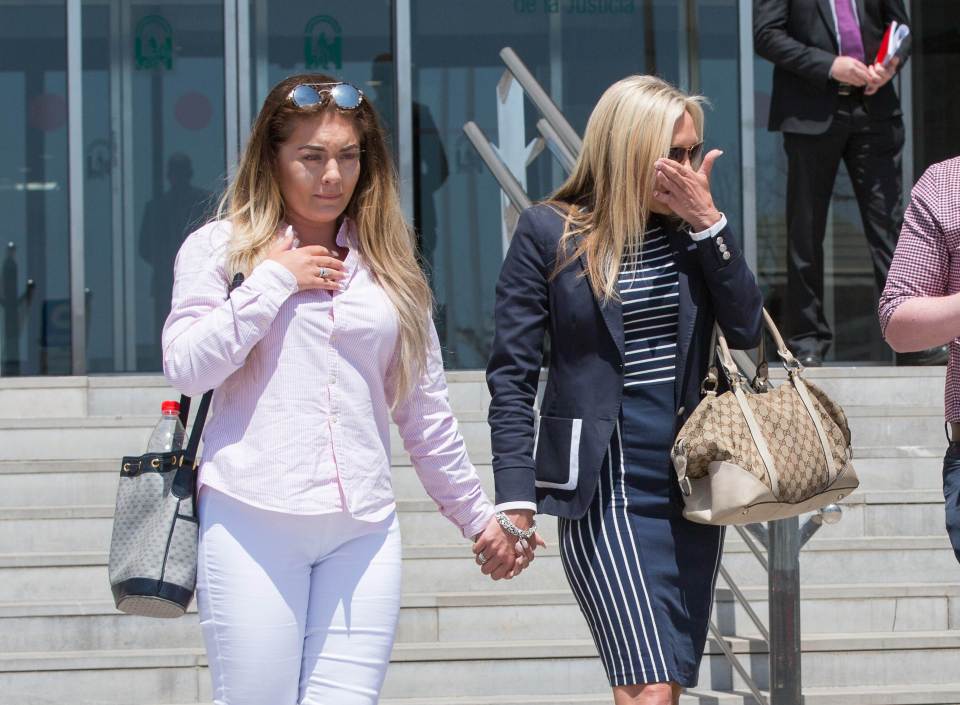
(625, 269)
(328, 336)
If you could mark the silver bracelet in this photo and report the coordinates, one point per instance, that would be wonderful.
(513, 529)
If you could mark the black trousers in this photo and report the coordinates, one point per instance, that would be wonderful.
(871, 150)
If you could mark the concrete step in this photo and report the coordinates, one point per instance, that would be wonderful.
(890, 513)
(946, 694)
(847, 660)
(519, 614)
(840, 608)
(87, 528)
(483, 669)
(58, 483)
(69, 483)
(449, 568)
(86, 437)
(141, 395)
(875, 385)
(94, 437)
(694, 697)
(444, 617)
(111, 395)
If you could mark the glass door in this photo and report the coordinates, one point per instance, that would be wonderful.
(35, 336)
(154, 148)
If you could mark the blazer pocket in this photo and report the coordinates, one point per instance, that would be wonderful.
(556, 452)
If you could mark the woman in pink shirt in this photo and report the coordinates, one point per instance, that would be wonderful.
(328, 336)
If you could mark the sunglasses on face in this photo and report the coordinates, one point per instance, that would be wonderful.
(694, 153)
(343, 95)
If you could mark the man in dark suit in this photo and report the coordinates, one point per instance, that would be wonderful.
(832, 101)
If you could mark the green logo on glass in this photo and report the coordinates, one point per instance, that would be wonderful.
(153, 44)
(323, 44)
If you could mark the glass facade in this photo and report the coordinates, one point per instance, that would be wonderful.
(35, 274)
(154, 149)
(169, 89)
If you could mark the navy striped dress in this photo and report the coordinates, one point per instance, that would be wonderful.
(642, 574)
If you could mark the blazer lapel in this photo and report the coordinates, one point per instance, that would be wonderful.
(826, 11)
(687, 306)
(862, 16)
(612, 310)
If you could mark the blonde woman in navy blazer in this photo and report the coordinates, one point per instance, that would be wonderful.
(625, 270)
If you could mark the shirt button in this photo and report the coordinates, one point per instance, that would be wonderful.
(334, 419)
(333, 380)
(726, 255)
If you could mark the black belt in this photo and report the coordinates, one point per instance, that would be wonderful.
(953, 432)
(848, 89)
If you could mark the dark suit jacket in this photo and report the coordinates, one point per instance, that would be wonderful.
(584, 384)
(800, 38)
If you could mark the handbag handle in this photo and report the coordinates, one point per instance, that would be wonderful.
(193, 445)
(730, 367)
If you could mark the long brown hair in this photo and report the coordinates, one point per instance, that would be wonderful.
(254, 206)
(607, 197)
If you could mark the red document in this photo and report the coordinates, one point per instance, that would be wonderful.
(893, 39)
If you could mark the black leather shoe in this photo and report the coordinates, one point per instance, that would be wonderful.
(934, 356)
(811, 360)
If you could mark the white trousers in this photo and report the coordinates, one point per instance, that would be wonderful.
(296, 610)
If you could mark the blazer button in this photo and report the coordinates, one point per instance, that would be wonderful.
(726, 255)
(723, 248)
(681, 410)
(719, 239)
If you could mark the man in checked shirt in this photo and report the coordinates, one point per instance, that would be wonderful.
(920, 305)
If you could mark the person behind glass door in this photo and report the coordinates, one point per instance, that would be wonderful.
(167, 220)
(626, 268)
(328, 336)
(832, 103)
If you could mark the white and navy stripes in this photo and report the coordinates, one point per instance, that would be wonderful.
(603, 565)
(649, 291)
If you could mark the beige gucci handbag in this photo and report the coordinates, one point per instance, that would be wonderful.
(756, 453)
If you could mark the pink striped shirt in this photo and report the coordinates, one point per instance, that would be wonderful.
(303, 389)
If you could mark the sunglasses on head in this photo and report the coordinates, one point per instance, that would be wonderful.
(693, 153)
(343, 95)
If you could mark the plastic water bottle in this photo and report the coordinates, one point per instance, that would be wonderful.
(168, 434)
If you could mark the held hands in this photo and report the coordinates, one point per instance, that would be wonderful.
(846, 69)
(686, 191)
(504, 556)
(314, 266)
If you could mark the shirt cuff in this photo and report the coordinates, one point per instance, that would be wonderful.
(507, 506)
(712, 231)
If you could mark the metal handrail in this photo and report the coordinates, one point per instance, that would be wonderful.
(542, 100)
(750, 541)
(735, 662)
(745, 603)
(507, 181)
(556, 146)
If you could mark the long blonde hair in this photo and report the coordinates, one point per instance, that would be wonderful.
(254, 206)
(606, 199)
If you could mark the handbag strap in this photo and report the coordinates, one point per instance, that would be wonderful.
(193, 445)
(814, 415)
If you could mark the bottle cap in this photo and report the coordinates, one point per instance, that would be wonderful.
(170, 407)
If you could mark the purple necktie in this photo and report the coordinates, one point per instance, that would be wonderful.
(851, 42)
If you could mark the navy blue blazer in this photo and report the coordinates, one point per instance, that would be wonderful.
(555, 460)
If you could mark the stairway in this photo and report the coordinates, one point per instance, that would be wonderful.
(881, 595)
